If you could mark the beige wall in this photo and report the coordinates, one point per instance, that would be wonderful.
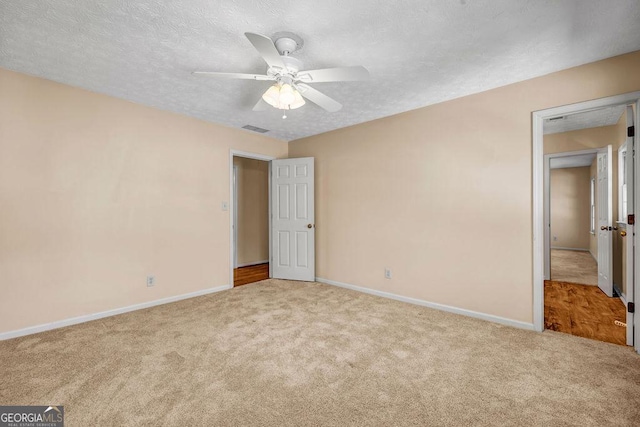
(583, 139)
(570, 207)
(253, 210)
(442, 195)
(97, 193)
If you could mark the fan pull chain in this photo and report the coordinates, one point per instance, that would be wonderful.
(284, 112)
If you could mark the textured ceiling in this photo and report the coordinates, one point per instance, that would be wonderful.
(419, 52)
(590, 119)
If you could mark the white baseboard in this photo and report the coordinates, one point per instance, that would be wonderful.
(442, 307)
(88, 317)
(570, 249)
(248, 264)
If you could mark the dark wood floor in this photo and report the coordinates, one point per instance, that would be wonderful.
(584, 311)
(250, 274)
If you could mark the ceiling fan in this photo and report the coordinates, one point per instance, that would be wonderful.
(291, 86)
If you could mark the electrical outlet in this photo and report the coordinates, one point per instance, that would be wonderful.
(555, 238)
(151, 281)
(387, 273)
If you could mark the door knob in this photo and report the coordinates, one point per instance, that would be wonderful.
(603, 228)
(623, 233)
(615, 228)
(309, 225)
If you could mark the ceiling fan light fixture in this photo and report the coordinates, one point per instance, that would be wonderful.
(286, 94)
(272, 96)
(283, 97)
(298, 100)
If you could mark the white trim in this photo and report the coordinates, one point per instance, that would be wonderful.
(270, 221)
(249, 264)
(95, 316)
(254, 156)
(436, 306)
(249, 155)
(538, 192)
(235, 216)
(634, 289)
(538, 223)
(560, 248)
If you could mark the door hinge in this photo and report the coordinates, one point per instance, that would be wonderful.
(631, 307)
(631, 219)
(631, 131)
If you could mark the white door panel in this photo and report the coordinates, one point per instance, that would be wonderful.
(605, 221)
(630, 229)
(636, 261)
(293, 222)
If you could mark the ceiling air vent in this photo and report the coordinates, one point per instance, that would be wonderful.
(255, 129)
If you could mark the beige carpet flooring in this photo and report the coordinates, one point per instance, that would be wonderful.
(573, 267)
(278, 353)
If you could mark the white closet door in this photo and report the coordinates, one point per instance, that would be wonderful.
(293, 220)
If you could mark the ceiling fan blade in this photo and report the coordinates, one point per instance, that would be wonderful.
(260, 105)
(341, 74)
(233, 75)
(319, 98)
(265, 47)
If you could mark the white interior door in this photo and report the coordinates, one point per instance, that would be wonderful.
(628, 189)
(293, 219)
(605, 222)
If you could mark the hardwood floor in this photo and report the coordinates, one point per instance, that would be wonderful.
(584, 311)
(250, 274)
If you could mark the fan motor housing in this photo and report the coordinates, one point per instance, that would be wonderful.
(293, 66)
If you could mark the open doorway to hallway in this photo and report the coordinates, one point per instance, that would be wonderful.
(585, 266)
(251, 220)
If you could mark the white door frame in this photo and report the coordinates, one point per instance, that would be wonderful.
(233, 205)
(547, 201)
(538, 118)
(234, 211)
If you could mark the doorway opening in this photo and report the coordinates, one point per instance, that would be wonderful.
(579, 298)
(571, 212)
(585, 265)
(250, 218)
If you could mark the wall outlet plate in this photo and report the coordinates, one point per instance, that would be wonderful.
(151, 281)
(387, 273)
